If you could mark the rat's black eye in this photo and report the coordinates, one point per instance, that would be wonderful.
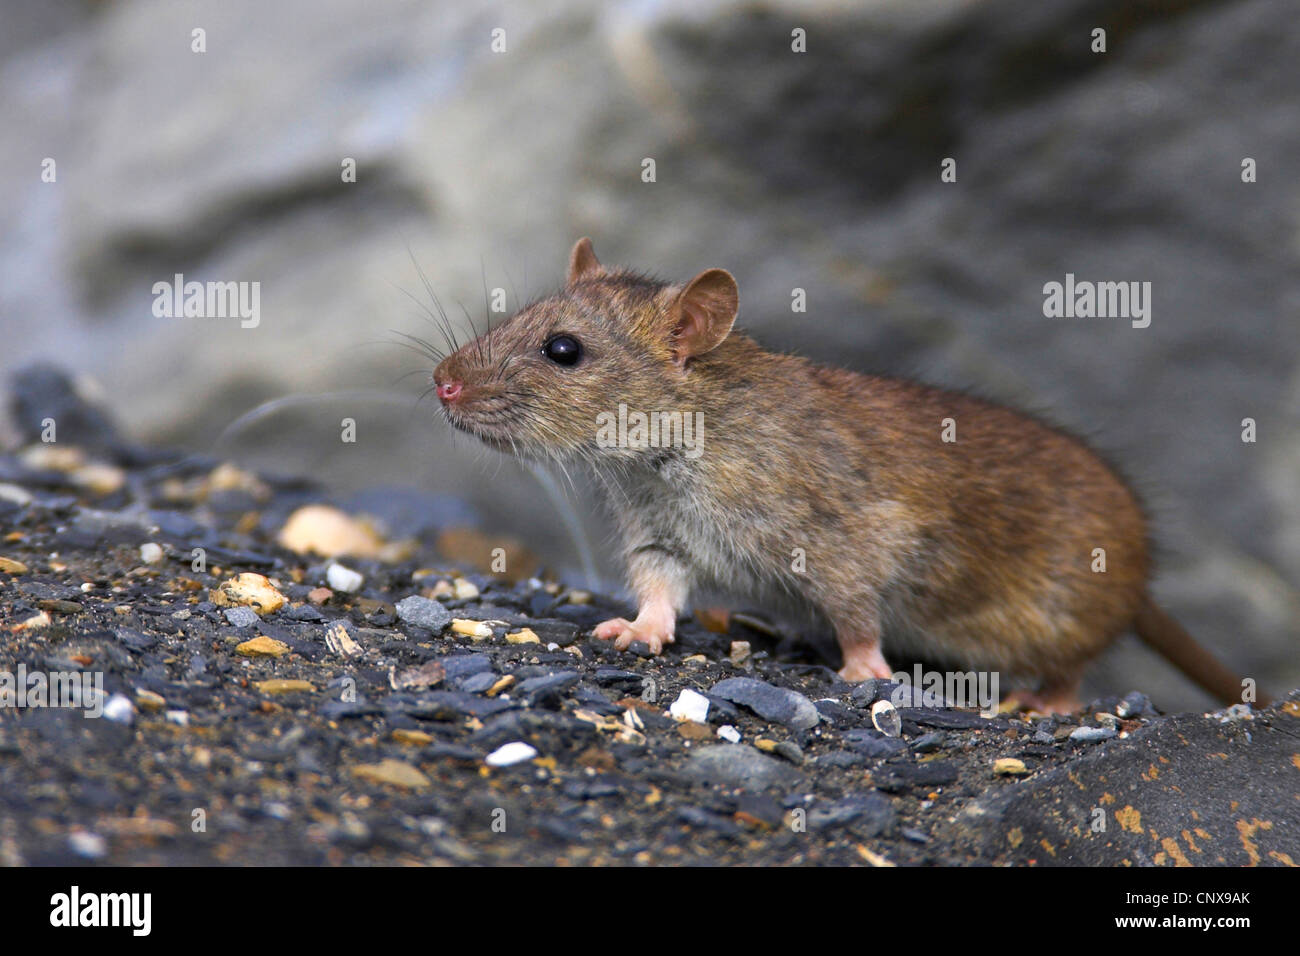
(563, 350)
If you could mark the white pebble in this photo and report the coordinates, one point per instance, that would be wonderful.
(690, 705)
(343, 579)
(150, 553)
(729, 733)
(179, 717)
(511, 753)
(119, 709)
(92, 846)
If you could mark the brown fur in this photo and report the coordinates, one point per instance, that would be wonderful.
(977, 552)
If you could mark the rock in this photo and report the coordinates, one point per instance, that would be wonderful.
(330, 533)
(736, 765)
(536, 688)
(147, 700)
(89, 845)
(340, 642)
(690, 705)
(482, 682)
(1009, 767)
(509, 754)
(523, 636)
(705, 819)
(394, 773)
(780, 704)
(1089, 735)
(416, 737)
(428, 674)
(873, 744)
(151, 553)
(870, 813)
(458, 666)
(119, 710)
(1149, 785)
(423, 612)
(35, 622)
(476, 629)
(11, 566)
(729, 734)
(278, 686)
(262, 647)
(739, 652)
(249, 589)
(342, 578)
(927, 743)
(241, 616)
(614, 677)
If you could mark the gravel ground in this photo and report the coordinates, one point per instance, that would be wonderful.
(278, 708)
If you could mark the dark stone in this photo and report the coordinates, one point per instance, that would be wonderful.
(873, 744)
(736, 765)
(780, 704)
(869, 813)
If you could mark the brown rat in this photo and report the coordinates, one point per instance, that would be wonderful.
(821, 485)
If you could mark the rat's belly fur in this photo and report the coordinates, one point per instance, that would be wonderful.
(1004, 574)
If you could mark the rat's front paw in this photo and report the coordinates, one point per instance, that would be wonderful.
(623, 632)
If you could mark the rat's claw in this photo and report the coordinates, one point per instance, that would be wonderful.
(625, 632)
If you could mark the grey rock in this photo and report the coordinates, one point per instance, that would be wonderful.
(871, 813)
(736, 765)
(779, 704)
(423, 612)
(241, 616)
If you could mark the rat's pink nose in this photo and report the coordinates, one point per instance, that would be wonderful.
(449, 391)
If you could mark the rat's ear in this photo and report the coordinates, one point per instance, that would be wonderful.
(583, 261)
(704, 311)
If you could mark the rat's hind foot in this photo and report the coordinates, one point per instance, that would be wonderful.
(862, 661)
(623, 632)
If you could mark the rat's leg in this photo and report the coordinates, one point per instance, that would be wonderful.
(859, 641)
(661, 584)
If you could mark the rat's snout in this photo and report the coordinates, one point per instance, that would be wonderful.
(449, 391)
(447, 383)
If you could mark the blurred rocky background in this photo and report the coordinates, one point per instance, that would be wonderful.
(818, 170)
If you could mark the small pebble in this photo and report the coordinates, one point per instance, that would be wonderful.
(241, 616)
(1009, 767)
(1092, 734)
(690, 705)
(343, 579)
(119, 709)
(511, 753)
(263, 647)
(91, 846)
(729, 733)
(150, 553)
(423, 612)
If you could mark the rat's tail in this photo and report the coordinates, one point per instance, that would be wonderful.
(1162, 633)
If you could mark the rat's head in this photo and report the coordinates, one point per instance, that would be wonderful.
(537, 383)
